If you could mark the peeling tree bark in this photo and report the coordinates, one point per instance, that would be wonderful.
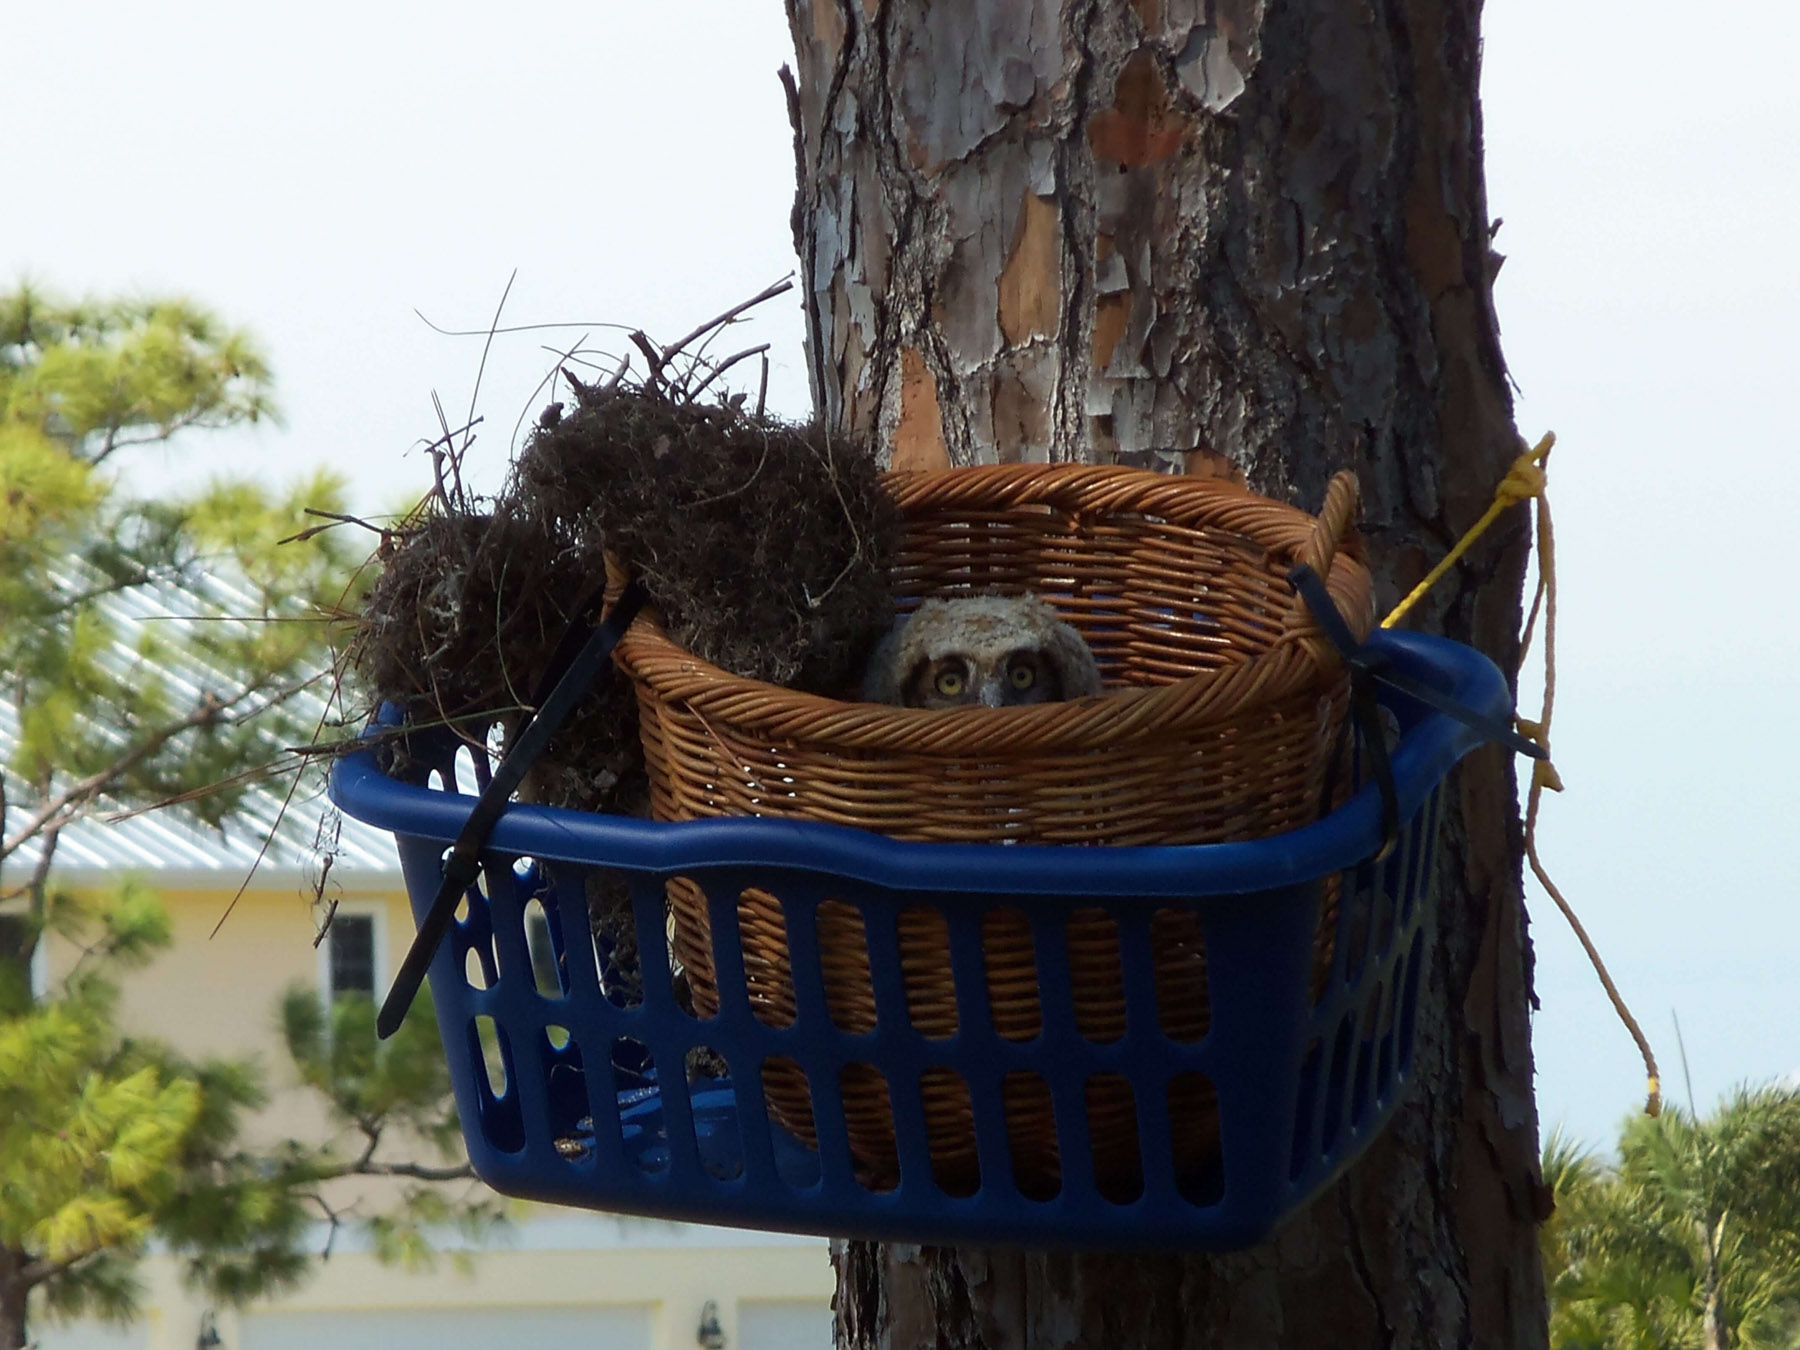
(1221, 236)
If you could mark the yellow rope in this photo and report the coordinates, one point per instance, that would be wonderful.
(1526, 479)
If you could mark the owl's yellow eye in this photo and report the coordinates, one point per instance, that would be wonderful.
(1022, 676)
(950, 683)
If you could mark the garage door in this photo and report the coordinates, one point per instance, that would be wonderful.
(783, 1325)
(608, 1328)
(86, 1335)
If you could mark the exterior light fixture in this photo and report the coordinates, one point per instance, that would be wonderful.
(710, 1336)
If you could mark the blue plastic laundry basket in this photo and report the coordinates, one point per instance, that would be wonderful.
(573, 1091)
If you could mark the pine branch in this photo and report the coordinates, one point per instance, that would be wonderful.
(366, 1166)
(40, 875)
(65, 807)
(69, 603)
(334, 1219)
(165, 431)
(372, 1132)
(414, 1171)
(38, 1271)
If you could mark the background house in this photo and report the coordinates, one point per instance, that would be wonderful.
(557, 1278)
(561, 1277)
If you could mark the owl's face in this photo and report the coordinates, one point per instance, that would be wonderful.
(988, 651)
(1017, 677)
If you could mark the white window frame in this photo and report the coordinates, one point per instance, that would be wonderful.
(376, 912)
(40, 967)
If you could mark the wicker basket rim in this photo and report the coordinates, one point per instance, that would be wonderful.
(1095, 487)
(1294, 661)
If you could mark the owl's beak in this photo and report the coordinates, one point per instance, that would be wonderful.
(992, 695)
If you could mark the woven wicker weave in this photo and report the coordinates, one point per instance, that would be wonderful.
(1223, 714)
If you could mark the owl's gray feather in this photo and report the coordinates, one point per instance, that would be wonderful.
(998, 650)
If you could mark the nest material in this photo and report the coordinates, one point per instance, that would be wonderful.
(766, 547)
(459, 628)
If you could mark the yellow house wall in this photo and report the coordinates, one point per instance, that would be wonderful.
(217, 995)
(675, 1282)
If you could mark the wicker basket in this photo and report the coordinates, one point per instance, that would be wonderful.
(1224, 714)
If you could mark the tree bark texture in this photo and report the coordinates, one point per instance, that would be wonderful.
(1226, 236)
(14, 1291)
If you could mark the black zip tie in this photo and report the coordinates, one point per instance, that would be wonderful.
(1359, 657)
(1366, 667)
(462, 865)
(1367, 712)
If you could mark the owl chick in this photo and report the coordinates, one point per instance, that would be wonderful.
(995, 651)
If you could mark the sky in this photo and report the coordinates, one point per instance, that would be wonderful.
(326, 175)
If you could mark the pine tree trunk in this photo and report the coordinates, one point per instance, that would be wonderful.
(1220, 237)
(13, 1294)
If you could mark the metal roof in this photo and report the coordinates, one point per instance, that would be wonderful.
(172, 839)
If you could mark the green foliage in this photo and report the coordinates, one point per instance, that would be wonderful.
(241, 1220)
(105, 1287)
(99, 377)
(107, 1141)
(111, 1140)
(379, 1092)
(1694, 1212)
(403, 1080)
(98, 1130)
(93, 1135)
(101, 722)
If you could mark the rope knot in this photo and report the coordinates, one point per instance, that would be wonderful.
(1525, 480)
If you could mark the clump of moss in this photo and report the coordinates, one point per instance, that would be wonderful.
(461, 624)
(765, 546)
